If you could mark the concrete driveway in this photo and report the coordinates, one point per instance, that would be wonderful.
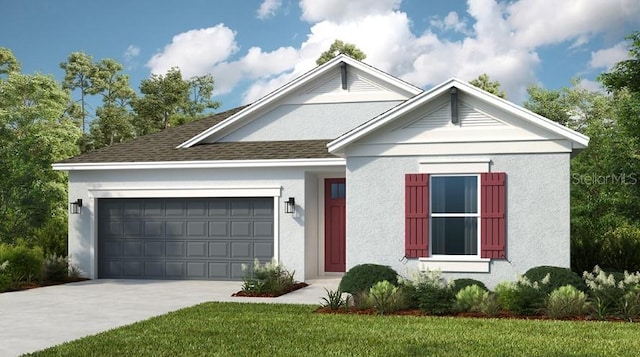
(34, 319)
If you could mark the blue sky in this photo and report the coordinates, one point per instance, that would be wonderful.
(254, 46)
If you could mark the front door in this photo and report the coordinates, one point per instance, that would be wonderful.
(334, 225)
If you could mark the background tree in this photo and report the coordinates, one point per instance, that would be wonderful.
(34, 133)
(170, 100)
(338, 47)
(8, 62)
(113, 122)
(483, 82)
(79, 71)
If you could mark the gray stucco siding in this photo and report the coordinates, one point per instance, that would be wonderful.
(537, 213)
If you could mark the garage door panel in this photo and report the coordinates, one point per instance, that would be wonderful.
(241, 250)
(154, 249)
(196, 229)
(183, 238)
(175, 249)
(132, 249)
(263, 229)
(241, 229)
(175, 229)
(175, 270)
(263, 251)
(218, 249)
(219, 229)
(132, 229)
(197, 249)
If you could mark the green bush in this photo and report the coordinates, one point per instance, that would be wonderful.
(271, 278)
(566, 301)
(470, 298)
(55, 268)
(362, 277)
(334, 300)
(435, 294)
(522, 297)
(5, 279)
(612, 294)
(460, 284)
(386, 297)
(557, 277)
(25, 264)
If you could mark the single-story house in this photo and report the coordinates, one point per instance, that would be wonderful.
(342, 166)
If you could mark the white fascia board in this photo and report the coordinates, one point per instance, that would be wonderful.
(199, 164)
(338, 144)
(292, 86)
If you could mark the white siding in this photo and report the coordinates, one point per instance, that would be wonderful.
(537, 213)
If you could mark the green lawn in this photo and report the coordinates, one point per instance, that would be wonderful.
(235, 329)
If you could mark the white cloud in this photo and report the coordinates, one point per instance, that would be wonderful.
(540, 22)
(451, 22)
(268, 9)
(131, 52)
(345, 10)
(607, 57)
(195, 52)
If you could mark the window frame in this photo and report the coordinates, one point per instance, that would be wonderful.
(476, 215)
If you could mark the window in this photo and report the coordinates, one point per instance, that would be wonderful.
(455, 215)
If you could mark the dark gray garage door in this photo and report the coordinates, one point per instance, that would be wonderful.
(183, 238)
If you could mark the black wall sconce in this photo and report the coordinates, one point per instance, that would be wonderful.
(76, 206)
(290, 205)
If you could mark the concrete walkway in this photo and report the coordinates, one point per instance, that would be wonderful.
(35, 319)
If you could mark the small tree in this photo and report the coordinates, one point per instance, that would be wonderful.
(338, 47)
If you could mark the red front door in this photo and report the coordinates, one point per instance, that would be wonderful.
(334, 225)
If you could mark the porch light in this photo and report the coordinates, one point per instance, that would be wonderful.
(290, 205)
(76, 206)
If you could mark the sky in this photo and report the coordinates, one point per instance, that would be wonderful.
(252, 47)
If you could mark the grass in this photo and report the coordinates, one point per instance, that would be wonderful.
(235, 329)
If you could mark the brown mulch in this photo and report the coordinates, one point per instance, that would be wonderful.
(295, 287)
(39, 284)
(501, 315)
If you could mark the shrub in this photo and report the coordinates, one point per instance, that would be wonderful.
(470, 298)
(490, 305)
(334, 300)
(409, 293)
(566, 301)
(25, 264)
(522, 297)
(362, 301)
(386, 297)
(55, 268)
(270, 278)
(557, 277)
(435, 294)
(5, 279)
(460, 284)
(611, 295)
(362, 277)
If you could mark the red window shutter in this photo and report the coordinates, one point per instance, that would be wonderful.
(416, 234)
(492, 215)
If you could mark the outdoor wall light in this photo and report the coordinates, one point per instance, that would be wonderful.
(76, 206)
(290, 205)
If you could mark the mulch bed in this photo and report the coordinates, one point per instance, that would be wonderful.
(502, 315)
(39, 284)
(295, 287)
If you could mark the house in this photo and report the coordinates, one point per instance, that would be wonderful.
(342, 166)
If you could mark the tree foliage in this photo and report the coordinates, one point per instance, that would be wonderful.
(79, 71)
(338, 47)
(35, 132)
(171, 100)
(483, 82)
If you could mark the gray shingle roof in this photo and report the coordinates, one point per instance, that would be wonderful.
(162, 147)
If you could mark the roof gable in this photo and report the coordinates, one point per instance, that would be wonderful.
(434, 117)
(323, 84)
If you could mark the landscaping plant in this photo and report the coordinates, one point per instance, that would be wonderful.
(386, 297)
(334, 300)
(470, 299)
(522, 297)
(434, 292)
(558, 277)
(5, 279)
(268, 278)
(566, 301)
(611, 296)
(25, 264)
(362, 277)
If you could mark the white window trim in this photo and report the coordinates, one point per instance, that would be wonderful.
(436, 215)
(455, 165)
